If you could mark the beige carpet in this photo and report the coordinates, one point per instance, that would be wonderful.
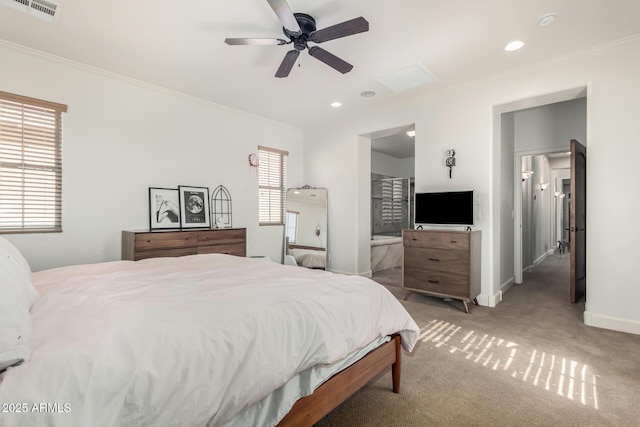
(528, 362)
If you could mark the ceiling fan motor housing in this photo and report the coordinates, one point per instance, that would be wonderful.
(307, 25)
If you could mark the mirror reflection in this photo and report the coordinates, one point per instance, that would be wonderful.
(306, 227)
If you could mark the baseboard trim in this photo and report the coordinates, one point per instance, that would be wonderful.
(612, 323)
(507, 285)
(540, 259)
(485, 300)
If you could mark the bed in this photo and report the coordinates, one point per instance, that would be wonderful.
(200, 340)
(307, 256)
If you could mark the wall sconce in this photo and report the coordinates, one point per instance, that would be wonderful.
(411, 133)
(318, 230)
(526, 175)
(543, 186)
(559, 194)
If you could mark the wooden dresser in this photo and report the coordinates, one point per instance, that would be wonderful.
(442, 263)
(138, 245)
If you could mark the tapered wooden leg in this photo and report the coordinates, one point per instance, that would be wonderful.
(395, 367)
(466, 307)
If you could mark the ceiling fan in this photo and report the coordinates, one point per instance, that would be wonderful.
(300, 29)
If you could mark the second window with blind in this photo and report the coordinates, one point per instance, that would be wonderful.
(272, 185)
(30, 164)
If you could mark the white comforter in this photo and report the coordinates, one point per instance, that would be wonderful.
(186, 341)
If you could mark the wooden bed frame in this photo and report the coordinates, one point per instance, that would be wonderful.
(294, 246)
(309, 410)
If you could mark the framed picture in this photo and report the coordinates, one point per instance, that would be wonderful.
(194, 207)
(164, 208)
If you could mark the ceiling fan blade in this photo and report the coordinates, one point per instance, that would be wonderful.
(287, 63)
(283, 11)
(330, 59)
(245, 41)
(346, 28)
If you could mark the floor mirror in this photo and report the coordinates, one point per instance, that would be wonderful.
(305, 231)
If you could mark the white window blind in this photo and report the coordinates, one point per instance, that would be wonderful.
(272, 182)
(391, 201)
(30, 164)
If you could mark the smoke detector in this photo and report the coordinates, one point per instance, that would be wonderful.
(43, 9)
(547, 19)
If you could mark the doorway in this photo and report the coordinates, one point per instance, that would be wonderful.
(392, 189)
(534, 143)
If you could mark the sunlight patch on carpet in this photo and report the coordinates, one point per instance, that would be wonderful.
(560, 375)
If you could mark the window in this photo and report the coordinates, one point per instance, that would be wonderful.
(30, 164)
(291, 227)
(272, 182)
(391, 201)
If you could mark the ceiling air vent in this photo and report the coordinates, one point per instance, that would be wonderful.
(42, 9)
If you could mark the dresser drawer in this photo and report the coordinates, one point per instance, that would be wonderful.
(221, 237)
(453, 261)
(165, 240)
(164, 253)
(436, 240)
(237, 249)
(455, 285)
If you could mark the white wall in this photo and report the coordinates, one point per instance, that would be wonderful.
(121, 137)
(462, 118)
(551, 126)
(506, 265)
(561, 170)
(528, 225)
(384, 164)
(541, 207)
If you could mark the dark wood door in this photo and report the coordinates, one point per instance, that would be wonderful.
(578, 221)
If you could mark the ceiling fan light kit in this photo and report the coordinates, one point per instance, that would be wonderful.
(300, 29)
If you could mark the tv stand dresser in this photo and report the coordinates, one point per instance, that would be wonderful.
(442, 263)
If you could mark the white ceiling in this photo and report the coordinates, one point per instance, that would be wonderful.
(180, 45)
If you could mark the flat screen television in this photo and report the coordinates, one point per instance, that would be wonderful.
(451, 208)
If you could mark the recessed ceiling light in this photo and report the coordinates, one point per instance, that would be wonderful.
(336, 104)
(547, 19)
(367, 94)
(514, 45)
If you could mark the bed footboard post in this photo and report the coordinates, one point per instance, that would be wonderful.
(395, 367)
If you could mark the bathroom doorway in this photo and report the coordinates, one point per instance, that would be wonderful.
(392, 189)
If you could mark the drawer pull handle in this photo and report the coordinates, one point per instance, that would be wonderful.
(434, 259)
(433, 281)
(454, 241)
(414, 239)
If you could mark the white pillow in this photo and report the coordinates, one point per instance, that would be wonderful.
(20, 265)
(17, 294)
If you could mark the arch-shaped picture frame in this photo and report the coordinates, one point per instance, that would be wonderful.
(221, 208)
